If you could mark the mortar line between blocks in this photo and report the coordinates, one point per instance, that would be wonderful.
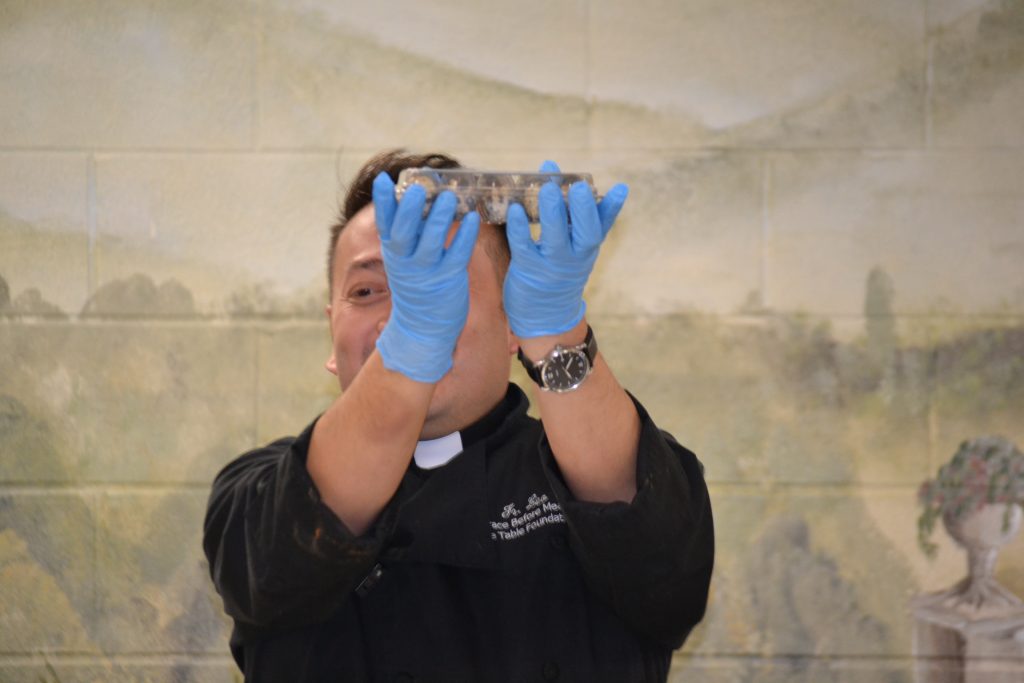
(812, 488)
(256, 106)
(216, 659)
(257, 351)
(275, 323)
(725, 487)
(950, 148)
(98, 488)
(855, 659)
(766, 191)
(95, 559)
(932, 416)
(929, 80)
(86, 658)
(588, 97)
(91, 220)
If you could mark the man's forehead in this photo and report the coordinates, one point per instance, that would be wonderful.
(362, 263)
(359, 246)
(358, 242)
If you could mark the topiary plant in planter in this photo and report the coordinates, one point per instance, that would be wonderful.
(978, 495)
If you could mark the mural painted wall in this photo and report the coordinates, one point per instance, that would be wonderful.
(817, 284)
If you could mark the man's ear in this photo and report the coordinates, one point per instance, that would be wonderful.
(513, 341)
(332, 362)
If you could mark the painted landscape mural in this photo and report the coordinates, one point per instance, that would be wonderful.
(817, 284)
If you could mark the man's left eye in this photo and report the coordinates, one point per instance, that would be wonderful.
(366, 295)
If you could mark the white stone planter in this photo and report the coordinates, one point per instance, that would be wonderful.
(982, 533)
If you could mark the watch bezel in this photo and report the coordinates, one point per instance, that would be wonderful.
(535, 369)
(554, 356)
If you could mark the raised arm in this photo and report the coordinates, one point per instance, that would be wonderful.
(290, 528)
(639, 514)
(282, 551)
(594, 429)
(363, 443)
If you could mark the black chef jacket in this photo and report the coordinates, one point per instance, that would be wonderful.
(484, 569)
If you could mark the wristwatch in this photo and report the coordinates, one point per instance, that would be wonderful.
(564, 368)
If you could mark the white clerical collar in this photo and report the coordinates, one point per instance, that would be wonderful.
(436, 452)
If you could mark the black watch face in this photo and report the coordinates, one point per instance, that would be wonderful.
(565, 370)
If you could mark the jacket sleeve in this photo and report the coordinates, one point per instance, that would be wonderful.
(278, 555)
(649, 559)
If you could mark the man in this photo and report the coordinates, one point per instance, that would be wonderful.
(424, 527)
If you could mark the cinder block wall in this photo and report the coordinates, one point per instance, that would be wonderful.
(817, 283)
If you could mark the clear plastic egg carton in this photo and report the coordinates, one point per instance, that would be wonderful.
(486, 192)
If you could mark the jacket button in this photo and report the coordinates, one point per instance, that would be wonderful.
(370, 581)
(557, 541)
(551, 671)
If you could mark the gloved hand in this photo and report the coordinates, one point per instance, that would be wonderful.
(429, 284)
(543, 291)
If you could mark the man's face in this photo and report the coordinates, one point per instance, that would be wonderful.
(360, 306)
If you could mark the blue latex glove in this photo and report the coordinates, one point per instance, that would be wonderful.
(543, 291)
(429, 284)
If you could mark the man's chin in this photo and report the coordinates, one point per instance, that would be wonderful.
(442, 390)
(440, 418)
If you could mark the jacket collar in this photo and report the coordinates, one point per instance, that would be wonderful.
(444, 520)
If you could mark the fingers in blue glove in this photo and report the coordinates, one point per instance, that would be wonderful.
(435, 229)
(384, 204)
(554, 219)
(517, 228)
(461, 248)
(610, 205)
(405, 229)
(549, 167)
(586, 223)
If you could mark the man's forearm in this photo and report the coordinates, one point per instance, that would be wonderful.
(362, 444)
(593, 431)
